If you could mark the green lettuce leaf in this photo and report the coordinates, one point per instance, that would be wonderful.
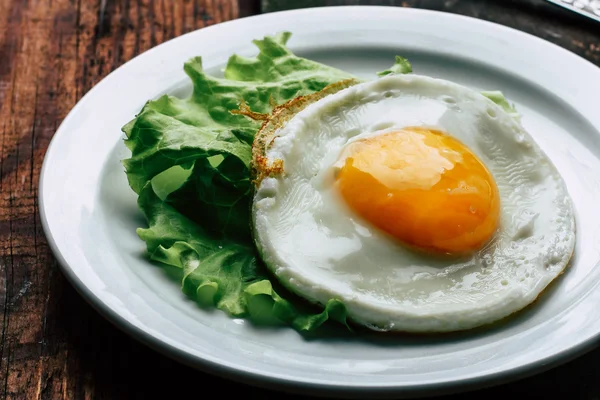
(401, 66)
(219, 272)
(498, 97)
(189, 166)
(171, 131)
(218, 197)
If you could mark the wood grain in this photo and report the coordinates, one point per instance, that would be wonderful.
(52, 52)
(52, 344)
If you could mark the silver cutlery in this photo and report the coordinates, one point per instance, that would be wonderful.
(588, 8)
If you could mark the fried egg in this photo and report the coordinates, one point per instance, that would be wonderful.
(419, 203)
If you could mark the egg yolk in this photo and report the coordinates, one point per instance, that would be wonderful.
(422, 187)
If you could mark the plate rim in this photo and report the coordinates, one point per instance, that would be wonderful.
(268, 381)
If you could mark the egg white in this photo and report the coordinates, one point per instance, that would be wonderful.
(318, 248)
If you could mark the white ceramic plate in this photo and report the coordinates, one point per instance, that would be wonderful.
(90, 214)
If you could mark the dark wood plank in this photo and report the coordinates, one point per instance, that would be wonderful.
(52, 345)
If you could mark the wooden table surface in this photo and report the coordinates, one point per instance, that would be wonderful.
(53, 345)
